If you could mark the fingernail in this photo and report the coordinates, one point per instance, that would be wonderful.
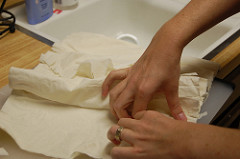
(181, 116)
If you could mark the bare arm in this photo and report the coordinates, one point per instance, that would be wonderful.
(197, 17)
(158, 68)
(153, 135)
(214, 142)
(150, 134)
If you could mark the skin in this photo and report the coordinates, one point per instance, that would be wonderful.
(157, 70)
(172, 139)
(150, 134)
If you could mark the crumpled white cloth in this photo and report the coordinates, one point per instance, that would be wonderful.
(3, 152)
(57, 110)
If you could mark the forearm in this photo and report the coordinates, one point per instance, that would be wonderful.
(197, 17)
(214, 142)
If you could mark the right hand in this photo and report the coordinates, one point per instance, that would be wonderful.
(157, 70)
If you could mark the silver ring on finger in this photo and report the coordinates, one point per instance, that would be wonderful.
(118, 134)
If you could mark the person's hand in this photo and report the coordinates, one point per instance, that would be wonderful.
(150, 135)
(157, 70)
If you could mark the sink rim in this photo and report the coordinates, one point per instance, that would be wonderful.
(34, 29)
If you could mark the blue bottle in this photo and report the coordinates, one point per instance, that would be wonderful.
(38, 10)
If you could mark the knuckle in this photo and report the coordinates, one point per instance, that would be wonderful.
(112, 73)
(143, 90)
(121, 121)
(112, 130)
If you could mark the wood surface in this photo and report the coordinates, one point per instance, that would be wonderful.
(19, 50)
(11, 3)
(228, 58)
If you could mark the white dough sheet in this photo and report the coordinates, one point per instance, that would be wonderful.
(56, 109)
(3, 152)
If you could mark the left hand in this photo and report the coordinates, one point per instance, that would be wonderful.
(151, 135)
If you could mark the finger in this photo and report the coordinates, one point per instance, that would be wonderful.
(122, 113)
(139, 115)
(124, 153)
(124, 100)
(127, 123)
(174, 104)
(131, 124)
(114, 94)
(127, 135)
(111, 134)
(112, 76)
(144, 95)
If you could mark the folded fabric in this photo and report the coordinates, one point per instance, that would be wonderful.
(57, 110)
(3, 152)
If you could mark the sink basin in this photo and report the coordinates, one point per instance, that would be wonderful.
(132, 20)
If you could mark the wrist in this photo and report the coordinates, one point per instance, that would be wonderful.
(208, 141)
(176, 33)
(167, 44)
(184, 148)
